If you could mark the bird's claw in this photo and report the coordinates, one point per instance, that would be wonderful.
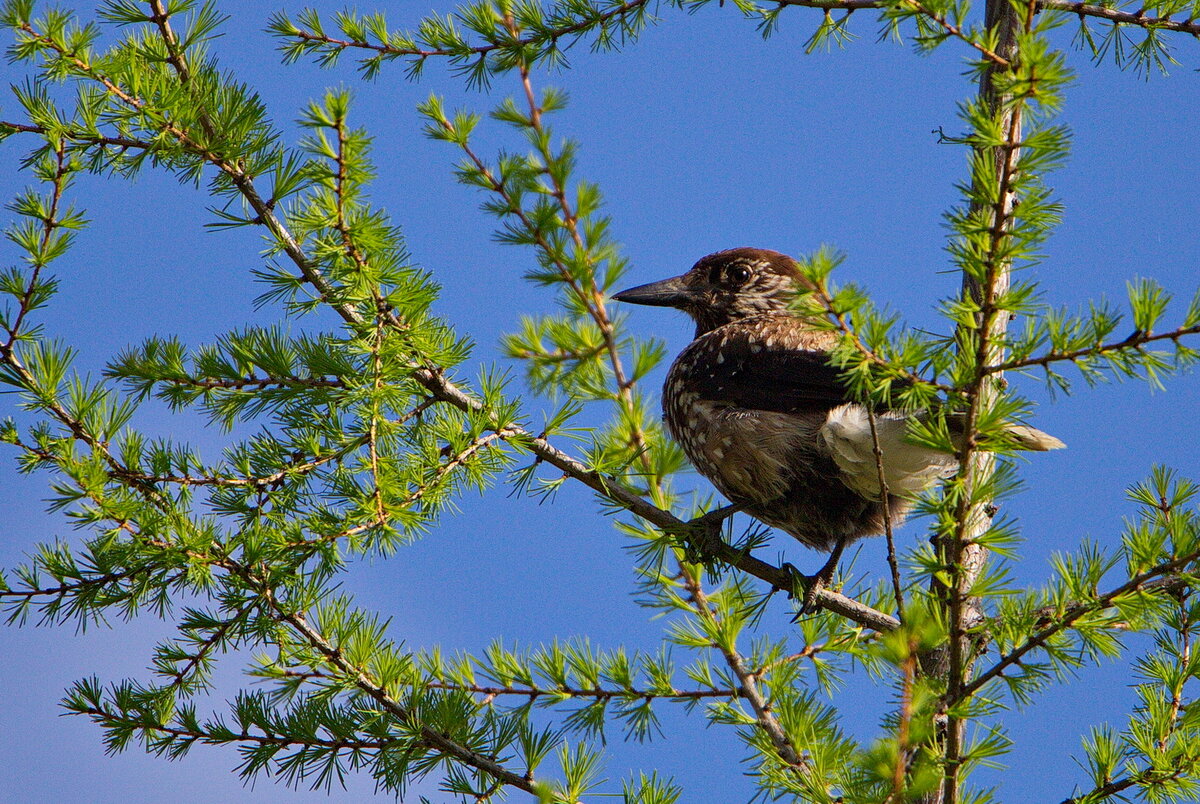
(806, 588)
(813, 584)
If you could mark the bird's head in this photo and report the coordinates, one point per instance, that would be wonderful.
(724, 287)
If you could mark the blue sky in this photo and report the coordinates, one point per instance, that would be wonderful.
(702, 137)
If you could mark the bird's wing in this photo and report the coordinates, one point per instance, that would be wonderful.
(764, 365)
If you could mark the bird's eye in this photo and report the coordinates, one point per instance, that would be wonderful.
(737, 275)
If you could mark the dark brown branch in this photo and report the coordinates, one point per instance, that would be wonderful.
(65, 589)
(209, 644)
(49, 224)
(556, 691)
(893, 562)
(82, 136)
(834, 5)
(261, 481)
(595, 692)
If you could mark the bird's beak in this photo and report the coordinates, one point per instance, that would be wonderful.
(673, 292)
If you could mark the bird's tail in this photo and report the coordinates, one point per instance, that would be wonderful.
(908, 468)
(1024, 437)
(1033, 439)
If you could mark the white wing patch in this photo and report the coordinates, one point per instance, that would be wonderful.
(908, 469)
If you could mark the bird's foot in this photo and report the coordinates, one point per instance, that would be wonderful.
(700, 541)
(805, 588)
(813, 584)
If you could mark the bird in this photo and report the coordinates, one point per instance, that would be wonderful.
(761, 411)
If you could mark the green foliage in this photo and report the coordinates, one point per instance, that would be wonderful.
(479, 41)
(367, 433)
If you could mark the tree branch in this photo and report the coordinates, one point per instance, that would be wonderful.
(433, 737)
(1064, 621)
(442, 389)
(1119, 17)
(764, 717)
(516, 42)
(1134, 341)
(110, 720)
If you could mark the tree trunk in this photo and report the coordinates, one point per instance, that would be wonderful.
(1003, 18)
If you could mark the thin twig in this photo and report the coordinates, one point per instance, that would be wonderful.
(111, 720)
(255, 383)
(515, 43)
(1134, 341)
(893, 561)
(208, 645)
(577, 692)
(955, 31)
(1119, 17)
(49, 224)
